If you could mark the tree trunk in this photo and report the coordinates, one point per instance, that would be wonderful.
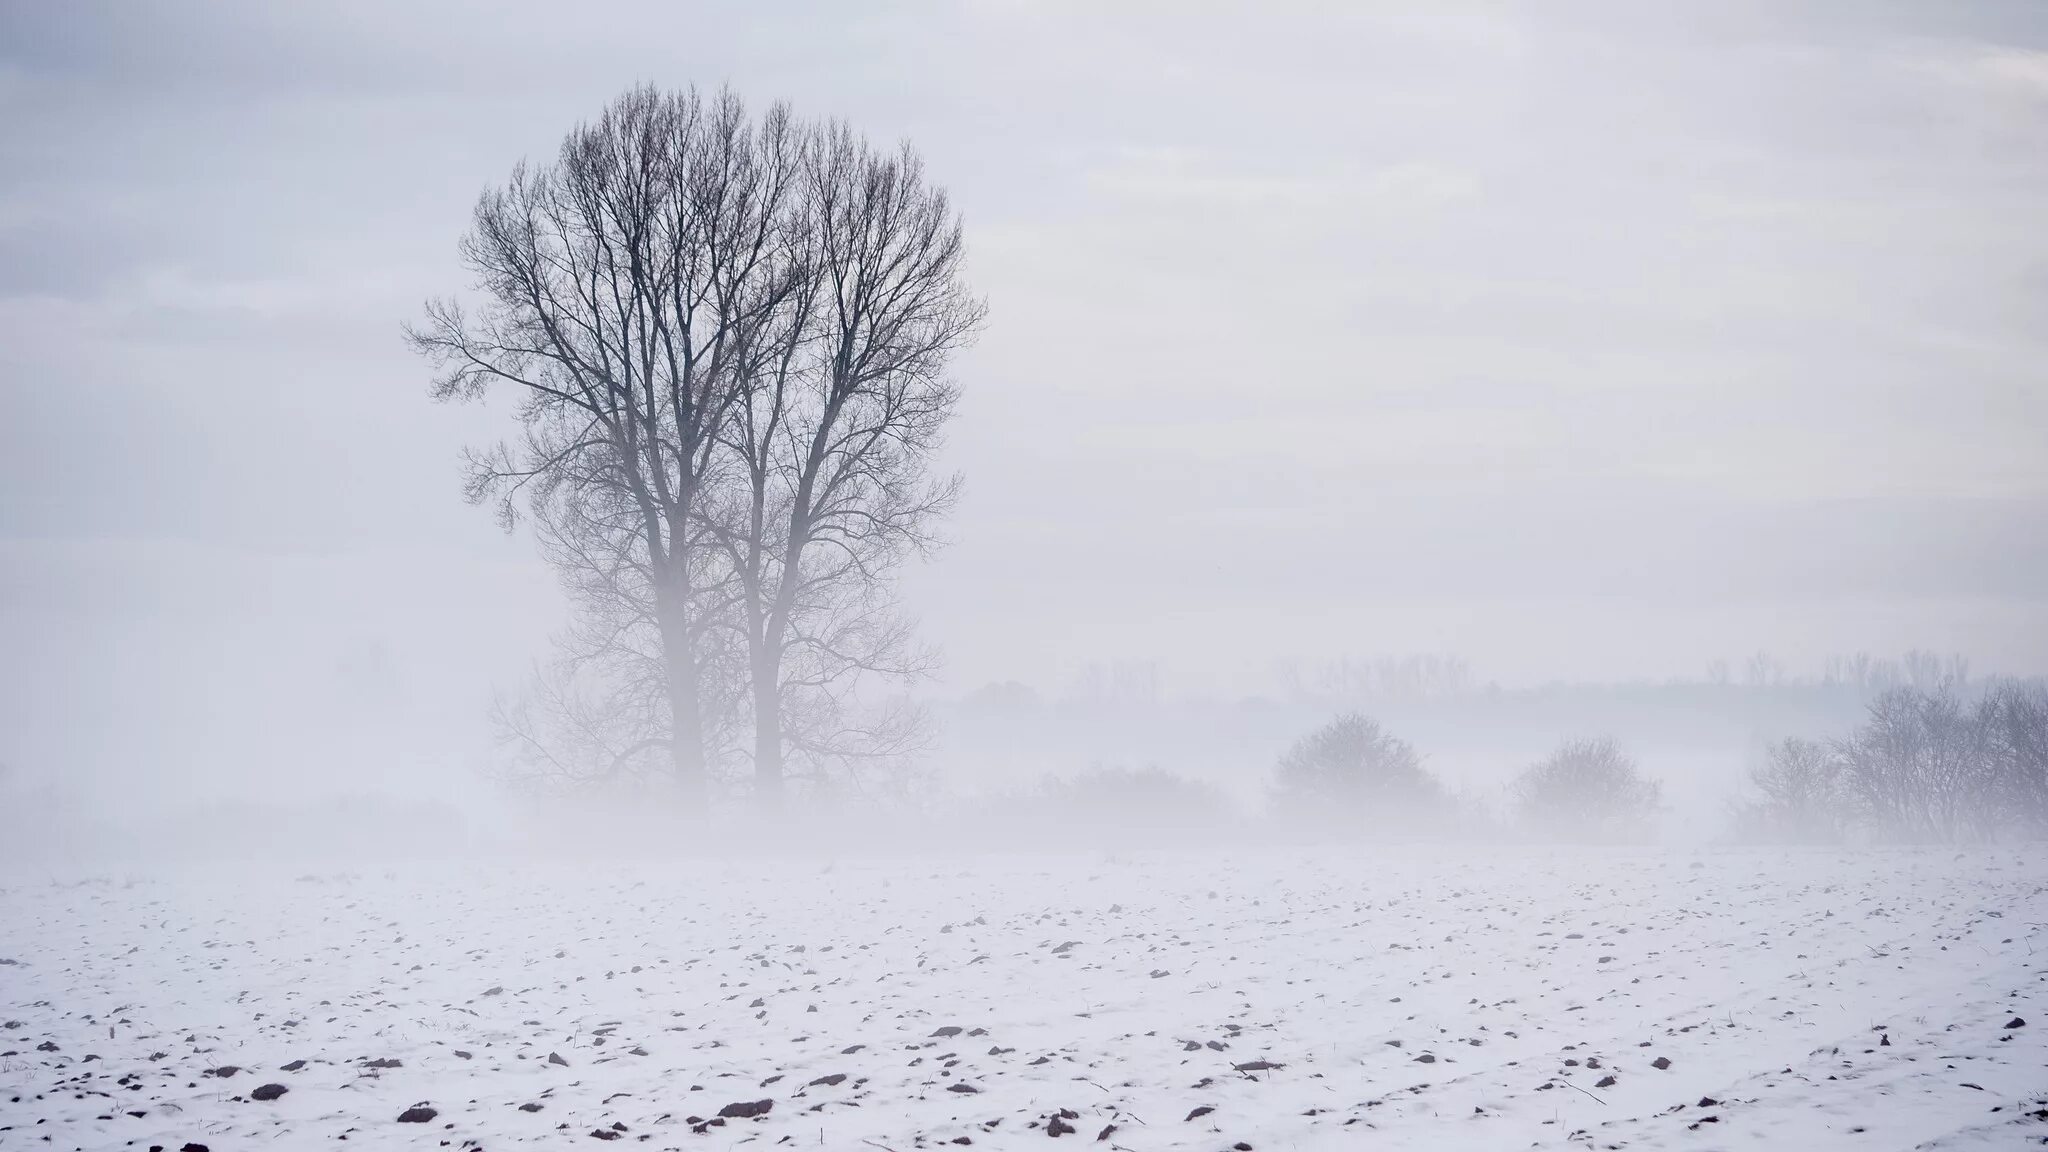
(686, 746)
(767, 733)
(686, 711)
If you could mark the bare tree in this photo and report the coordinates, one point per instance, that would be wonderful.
(1588, 788)
(1763, 670)
(846, 398)
(620, 285)
(1350, 769)
(1920, 768)
(2017, 712)
(1802, 794)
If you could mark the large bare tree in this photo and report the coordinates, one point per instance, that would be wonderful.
(730, 341)
(618, 283)
(834, 445)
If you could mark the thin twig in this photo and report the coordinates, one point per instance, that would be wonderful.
(1576, 1088)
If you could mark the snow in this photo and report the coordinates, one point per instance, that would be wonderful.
(1406, 999)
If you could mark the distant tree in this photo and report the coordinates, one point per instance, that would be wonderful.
(1763, 670)
(1011, 696)
(1105, 806)
(1802, 800)
(1349, 768)
(1116, 684)
(2018, 716)
(1933, 673)
(1386, 677)
(1587, 789)
(1922, 767)
(1150, 795)
(1925, 766)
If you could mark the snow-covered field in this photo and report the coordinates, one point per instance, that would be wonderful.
(1213, 1000)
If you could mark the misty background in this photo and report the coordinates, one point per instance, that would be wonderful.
(1584, 344)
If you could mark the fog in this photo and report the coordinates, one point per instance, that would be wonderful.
(1592, 345)
(1434, 481)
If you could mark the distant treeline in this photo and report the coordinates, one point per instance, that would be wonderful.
(1118, 714)
(1430, 675)
(1925, 766)
(1928, 765)
(1907, 750)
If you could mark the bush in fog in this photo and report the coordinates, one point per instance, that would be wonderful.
(1587, 790)
(1802, 798)
(1150, 789)
(1925, 766)
(2017, 715)
(1106, 804)
(1352, 768)
(1922, 768)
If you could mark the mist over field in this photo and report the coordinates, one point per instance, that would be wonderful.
(1467, 574)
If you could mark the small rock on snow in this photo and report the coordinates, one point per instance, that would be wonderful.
(746, 1109)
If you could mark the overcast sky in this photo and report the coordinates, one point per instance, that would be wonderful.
(1584, 341)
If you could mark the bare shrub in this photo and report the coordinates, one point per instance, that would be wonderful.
(1350, 769)
(1587, 790)
(1103, 807)
(1921, 768)
(2017, 715)
(1151, 794)
(1800, 782)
